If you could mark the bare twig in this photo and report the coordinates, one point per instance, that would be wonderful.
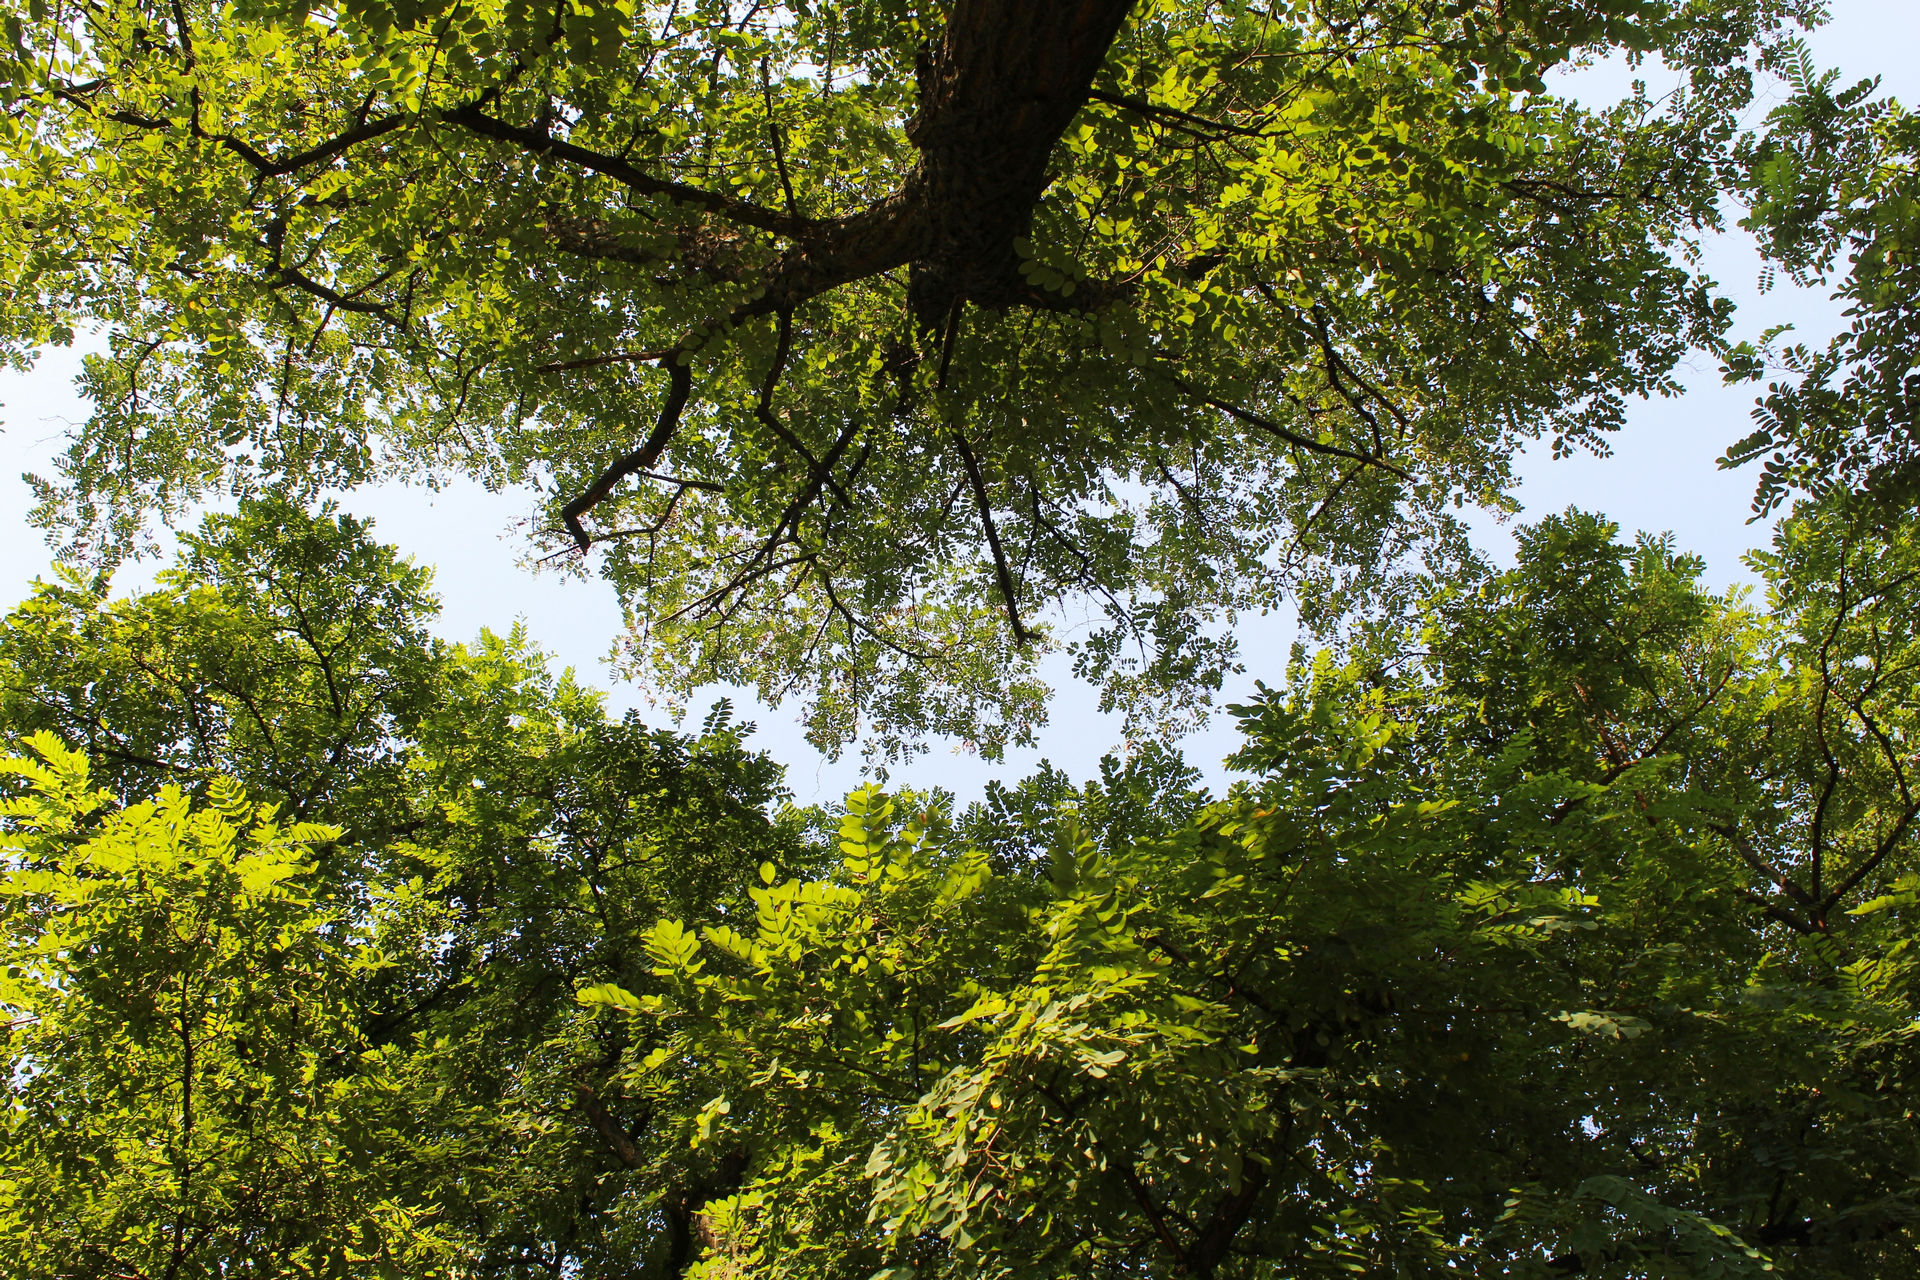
(1294, 438)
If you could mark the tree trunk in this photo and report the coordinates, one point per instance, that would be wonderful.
(996, 92)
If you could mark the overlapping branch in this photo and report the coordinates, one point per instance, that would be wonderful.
(679, 387)
(537, 139)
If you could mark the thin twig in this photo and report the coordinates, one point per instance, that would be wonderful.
(1005, 575)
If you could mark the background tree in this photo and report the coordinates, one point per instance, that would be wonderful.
(189, 1090)
(1573, 940)
(1833, 177)
(495, 840)
(1564, 927)
(863, 337)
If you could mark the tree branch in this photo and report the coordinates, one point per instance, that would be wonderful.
(537, 140)
(1185, 121)
(595, 362)
(761, 561)
(1001, 571)
(266, 166)
(641, 459)
(1253, 419)
(270, 168)
(618, 1140)
(763, 407)
(1873, 860)
(1209, 1248)
(779, 149)
(333, 297)
(1749, 855)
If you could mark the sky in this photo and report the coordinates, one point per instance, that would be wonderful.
(1661, 477)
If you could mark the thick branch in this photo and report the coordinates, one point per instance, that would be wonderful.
(779, 148)
(1210, 1246)
(333, 297)
(1752, 857)
(1774, 911)
(266, 166)
(1872, 861)
(1143, 1197)
(641, 459)
(540, 142)
(595, 362)
(618, 1140)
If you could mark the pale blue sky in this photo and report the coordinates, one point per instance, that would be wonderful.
(1661, 477)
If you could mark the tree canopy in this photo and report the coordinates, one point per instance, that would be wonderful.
(862, 341)
(1562, 927)
(1557, 920)
(285, 1036)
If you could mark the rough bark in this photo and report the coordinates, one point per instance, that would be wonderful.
(996, 92)
(997, 89)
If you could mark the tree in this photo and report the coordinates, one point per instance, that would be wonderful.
(1569, 932)
(187, 1074)
(378, 1042)
(862, 339)
(1833, 175)
(287, 651)
(1563, 920)
(1565, 926)
(290, 651)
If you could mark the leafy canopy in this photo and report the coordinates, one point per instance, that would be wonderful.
(183, 1033)
(858, 341)
(1565, 926)
(381, 1055)
(1576, 939)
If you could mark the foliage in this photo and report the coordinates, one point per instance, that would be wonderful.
(1837, 175)
(495, 839)
(188, 1076)
(1563, 927)
(1577, 940)
(287, 651)
(863, 337)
